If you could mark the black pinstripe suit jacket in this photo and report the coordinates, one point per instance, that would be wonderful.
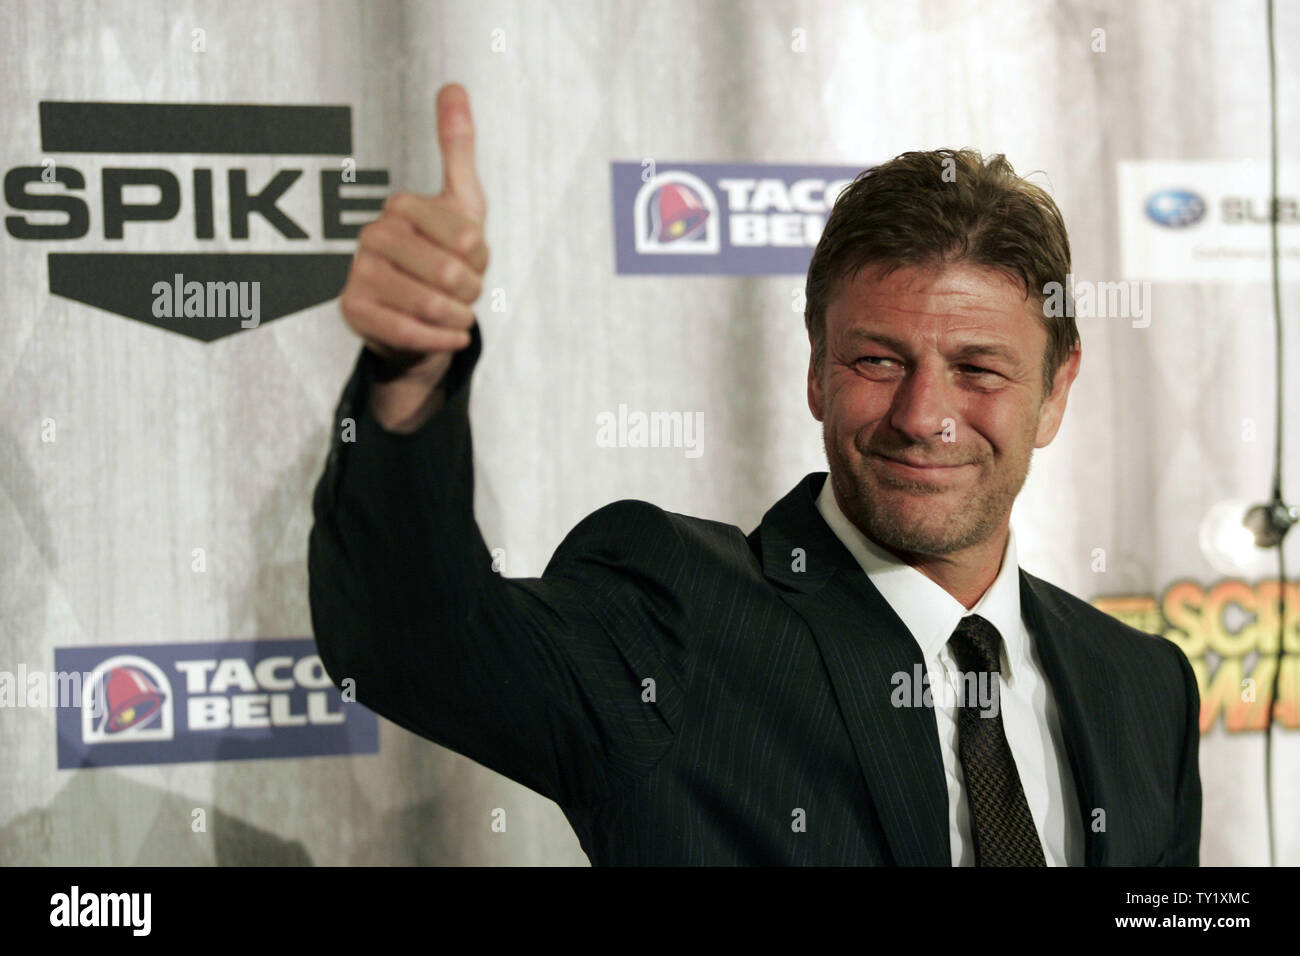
(767, 735)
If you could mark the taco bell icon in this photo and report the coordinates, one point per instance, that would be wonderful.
(676, 213)
(127, 698)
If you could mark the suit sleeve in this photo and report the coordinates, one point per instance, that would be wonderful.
(1185, 850)
(541, 679)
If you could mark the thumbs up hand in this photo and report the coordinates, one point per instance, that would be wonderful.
(417, 271)
(460, 182)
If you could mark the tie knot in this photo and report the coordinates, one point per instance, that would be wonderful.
(976, 644)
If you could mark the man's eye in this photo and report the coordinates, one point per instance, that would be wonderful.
(977, 370)
(875, 358)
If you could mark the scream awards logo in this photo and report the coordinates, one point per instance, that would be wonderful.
(721, 218)
(1229, 632)
(200, 195)
(175, 703)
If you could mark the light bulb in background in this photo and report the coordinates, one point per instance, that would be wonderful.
(1229, 545)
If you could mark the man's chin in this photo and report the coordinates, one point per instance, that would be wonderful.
(905, 494)
(899, 534)
(903, 520)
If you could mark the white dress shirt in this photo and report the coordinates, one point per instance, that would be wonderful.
(1029, 713)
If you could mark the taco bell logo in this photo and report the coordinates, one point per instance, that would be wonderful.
(128, 698)
(676, 213)
(233, 700)
(721, 218)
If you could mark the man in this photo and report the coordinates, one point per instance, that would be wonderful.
(690, 694)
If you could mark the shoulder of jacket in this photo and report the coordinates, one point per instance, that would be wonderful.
(631, 521)
(1102, 626)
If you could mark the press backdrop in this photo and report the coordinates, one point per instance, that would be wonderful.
(166, 444)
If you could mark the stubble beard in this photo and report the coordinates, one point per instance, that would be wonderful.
(872, 502)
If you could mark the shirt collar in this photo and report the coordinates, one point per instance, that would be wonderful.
(928, 611)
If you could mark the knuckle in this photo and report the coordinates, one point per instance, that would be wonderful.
(365, 268)
(464, 316)
(372, 235)
(421, 338)
(435, 307)
(449, 315)
(450, 273)
(468, 239)
(406, 339)
(397, 201)
(349, 305)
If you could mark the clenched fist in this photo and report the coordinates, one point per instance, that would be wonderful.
(418, 269)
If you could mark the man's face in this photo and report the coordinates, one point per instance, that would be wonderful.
(931, 403)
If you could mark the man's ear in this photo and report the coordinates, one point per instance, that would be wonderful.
(815, 397)
(1053, 409)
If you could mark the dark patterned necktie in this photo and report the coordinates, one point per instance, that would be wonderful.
(1001, 824)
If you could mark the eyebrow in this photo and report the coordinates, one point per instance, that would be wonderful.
(970, 350)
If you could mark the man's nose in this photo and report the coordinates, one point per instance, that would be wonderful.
(921, 404)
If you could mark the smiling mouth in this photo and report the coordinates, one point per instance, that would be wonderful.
(919, 469)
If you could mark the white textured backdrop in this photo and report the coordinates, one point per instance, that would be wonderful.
(166, 444)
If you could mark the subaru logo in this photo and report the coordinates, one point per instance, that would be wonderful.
(1175, 208)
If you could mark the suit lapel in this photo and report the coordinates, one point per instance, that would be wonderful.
(863, 644)
(1075, 670)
